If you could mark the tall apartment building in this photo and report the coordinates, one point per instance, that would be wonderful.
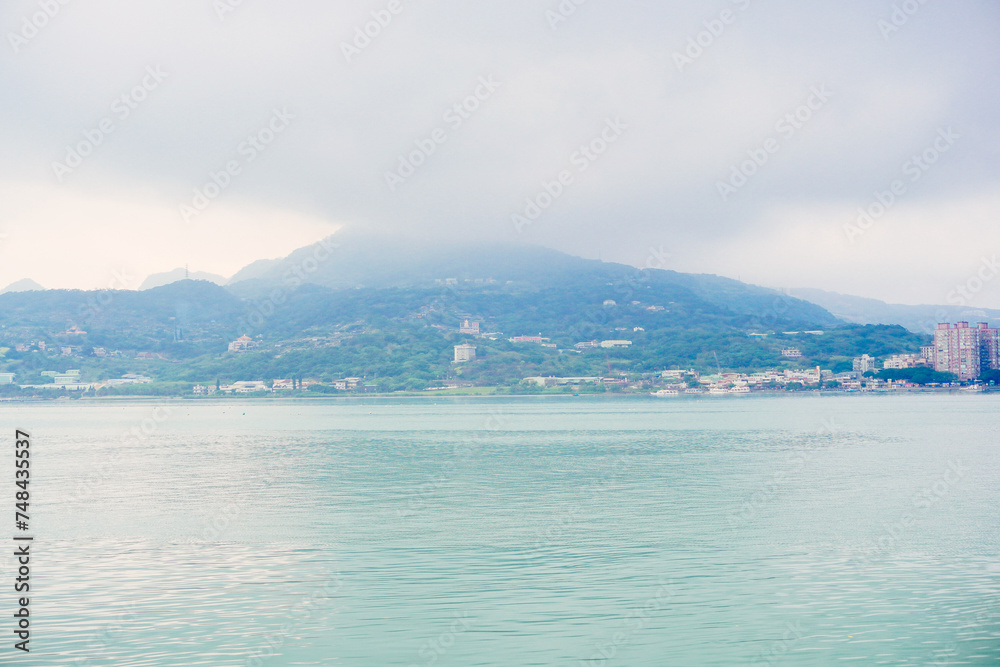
(989, 347)
(465, 353)
(966, 351)
(864, 363)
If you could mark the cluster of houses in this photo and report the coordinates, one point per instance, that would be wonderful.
(71, 381)
(254, 386)
(691, 382)
(466, 352)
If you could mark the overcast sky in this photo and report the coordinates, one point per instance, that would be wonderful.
(741, 137)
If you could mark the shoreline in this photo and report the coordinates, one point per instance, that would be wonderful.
(230, 398)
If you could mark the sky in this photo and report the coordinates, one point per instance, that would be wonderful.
(848, 146)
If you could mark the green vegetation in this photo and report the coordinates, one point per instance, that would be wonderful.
(399, 335)
(917, 375)
(990, 376)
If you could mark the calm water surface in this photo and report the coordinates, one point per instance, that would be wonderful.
(523, 531)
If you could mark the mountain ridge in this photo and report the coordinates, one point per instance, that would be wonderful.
(23, 285)
(168, 277)
(919, 319)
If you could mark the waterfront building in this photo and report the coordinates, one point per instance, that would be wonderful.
(899, 361)
(966, 351)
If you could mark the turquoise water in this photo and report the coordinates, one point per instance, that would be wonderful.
(525, 531)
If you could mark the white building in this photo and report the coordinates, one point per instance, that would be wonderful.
(897, 361)
(616, 343)
(864, 363)
(246, 387)
(559, 381)
(243, 344)
(464, 353)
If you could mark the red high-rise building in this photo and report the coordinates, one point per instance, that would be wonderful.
(989, 347)
(966, 351)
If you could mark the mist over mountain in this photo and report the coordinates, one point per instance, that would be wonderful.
(356, 261)
(919, 319)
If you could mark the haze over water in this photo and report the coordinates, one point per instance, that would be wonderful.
(517, 531)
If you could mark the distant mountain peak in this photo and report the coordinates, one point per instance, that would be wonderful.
(24, 285)
(161, 279)
(919, 319)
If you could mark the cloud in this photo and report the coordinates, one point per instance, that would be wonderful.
(72, 238)
(354, 117)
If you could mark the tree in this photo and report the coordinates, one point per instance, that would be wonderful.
(990, 376)
(920, 375)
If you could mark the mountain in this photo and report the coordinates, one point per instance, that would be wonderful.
(161, 279)
(351, 260)
(356, 306)
(919, 319)
(255, 270)
(357, 261)
(187, 309)
(25, 285)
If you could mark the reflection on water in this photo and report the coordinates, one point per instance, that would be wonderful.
(517, 532)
